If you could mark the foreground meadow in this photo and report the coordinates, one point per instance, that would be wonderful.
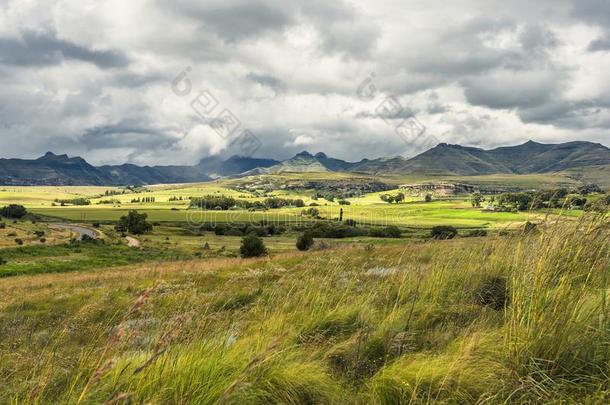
(521, 318)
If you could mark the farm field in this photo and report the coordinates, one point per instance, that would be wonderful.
(171, 204)
(378, 310)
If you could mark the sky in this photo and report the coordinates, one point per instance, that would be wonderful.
(171, 82)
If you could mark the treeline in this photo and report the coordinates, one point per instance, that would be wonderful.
(143, 200)
(532, 200)
(72, 201)
(330, 230)
(223, 203)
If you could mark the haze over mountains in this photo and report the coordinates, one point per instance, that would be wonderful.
(443, 159)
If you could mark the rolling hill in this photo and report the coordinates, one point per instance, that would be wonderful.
(574, 159)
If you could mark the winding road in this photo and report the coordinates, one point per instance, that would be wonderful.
(80, 230)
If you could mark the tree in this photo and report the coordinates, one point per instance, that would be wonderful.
(13, 211)
(252, 246)
(476, 199)
(399, 197)
(305, 241)
(443, 232)
(134, 223)
(428, 198)
(589, 189)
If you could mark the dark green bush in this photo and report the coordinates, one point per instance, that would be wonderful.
(305, 241)
(476, 233)
(443, 232)
(13, 211)
(252, 246)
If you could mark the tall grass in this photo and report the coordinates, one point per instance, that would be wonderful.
(487, 320)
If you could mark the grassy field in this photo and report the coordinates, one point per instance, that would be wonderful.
(502, 319)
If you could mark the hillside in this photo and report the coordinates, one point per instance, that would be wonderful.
(444, 159)
(458, 321)
(528, 158)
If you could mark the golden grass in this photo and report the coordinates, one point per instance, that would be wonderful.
(396, 324)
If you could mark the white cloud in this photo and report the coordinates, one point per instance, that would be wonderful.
(94, 78)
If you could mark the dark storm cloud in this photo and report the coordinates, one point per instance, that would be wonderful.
(43, 48)
(341, 28)
(594, 11)
(266, 80)
(126, 135)
(600, 44)
(235, 20)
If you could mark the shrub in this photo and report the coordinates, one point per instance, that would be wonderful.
(493, 293)
(305, 241)
(96, 225)
(391, 231)
(19, 241)
(476, 233)
(39, 234)
(2, 225)
(2, 261)
(43, 240)
(428, 198)
(443, 232)
(252, 246)
(13, 211)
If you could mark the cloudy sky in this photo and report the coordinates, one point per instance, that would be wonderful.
(145, 81)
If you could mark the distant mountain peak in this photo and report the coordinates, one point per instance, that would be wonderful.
(304, 154)
(321, 155)
(50, 154)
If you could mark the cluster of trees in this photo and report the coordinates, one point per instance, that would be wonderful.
(589, 189)
(338, 230)
(327, 196)
(313, 212)
(180, 198)
(553, 198)
(13, 211)
(397, 198)
(325, 229)
(143, 200)
(73, 201)
(531, 200)
(236, 229)
(218, 202)
(134, 223)
(109, 193)
(476, 199)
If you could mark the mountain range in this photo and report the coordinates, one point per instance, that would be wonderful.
(444, 159)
